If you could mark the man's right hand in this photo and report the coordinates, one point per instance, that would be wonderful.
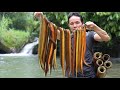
(38, 14)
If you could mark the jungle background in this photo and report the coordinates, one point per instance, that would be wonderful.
(19, 28)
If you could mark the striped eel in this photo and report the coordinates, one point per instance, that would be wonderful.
(73, 61)
(62, 49)
(47, 45)
(43, 34)
(55, 51)
(51, 48)
(68, 51)
(54, 39)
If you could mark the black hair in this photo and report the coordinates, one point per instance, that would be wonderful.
(75, 14)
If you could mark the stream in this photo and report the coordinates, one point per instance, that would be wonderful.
(23, 67)
(27, 66)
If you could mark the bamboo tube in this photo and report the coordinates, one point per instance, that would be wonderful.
(101, 72)
(97, 55)
(99, 62)
(108, 64)
(106, 57)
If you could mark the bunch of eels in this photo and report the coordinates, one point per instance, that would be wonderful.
(70, 60)
(47, 45)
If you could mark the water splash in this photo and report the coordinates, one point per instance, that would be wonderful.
(28, 49)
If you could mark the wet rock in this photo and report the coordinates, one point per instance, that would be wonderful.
(35, 50)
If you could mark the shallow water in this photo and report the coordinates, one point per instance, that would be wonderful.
(27, 66)
(114, 72)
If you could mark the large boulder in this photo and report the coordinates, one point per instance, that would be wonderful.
(6, 49)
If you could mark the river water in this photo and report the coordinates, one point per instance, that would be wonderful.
(27, 66)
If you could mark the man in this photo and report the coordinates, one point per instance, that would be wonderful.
(95, 33)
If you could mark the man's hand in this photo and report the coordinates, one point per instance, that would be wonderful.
(38, 14)
(90, 25)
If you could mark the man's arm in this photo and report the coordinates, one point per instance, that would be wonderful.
(100, 35)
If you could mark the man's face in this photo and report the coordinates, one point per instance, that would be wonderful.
(75, 23)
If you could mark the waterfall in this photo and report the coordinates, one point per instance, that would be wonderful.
(28, 48)
(26, 51)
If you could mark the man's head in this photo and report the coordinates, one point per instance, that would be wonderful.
(75, 20)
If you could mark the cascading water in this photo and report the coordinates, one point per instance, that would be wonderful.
(27, 50)
(29, 47)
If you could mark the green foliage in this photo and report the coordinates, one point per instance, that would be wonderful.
(11, 37)
(59, 18)
(14, 38)
(5, 23)
(23, 21)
